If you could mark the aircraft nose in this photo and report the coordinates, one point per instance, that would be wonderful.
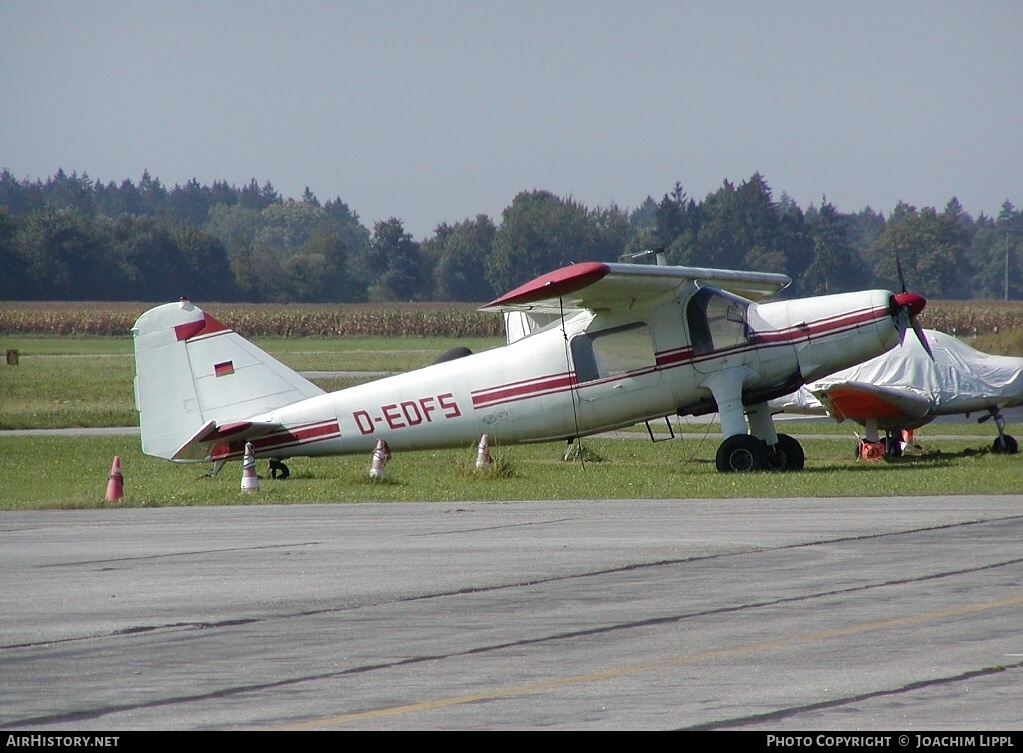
(912, 301)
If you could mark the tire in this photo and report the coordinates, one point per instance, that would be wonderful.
(787, 455)
(1006, 447)
(741, 453)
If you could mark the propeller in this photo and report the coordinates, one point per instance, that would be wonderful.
(905, 306)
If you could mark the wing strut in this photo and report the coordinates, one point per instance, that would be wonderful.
(574, 386)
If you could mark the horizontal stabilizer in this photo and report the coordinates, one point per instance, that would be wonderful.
(211, 442)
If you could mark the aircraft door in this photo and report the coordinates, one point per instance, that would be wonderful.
(718, 330)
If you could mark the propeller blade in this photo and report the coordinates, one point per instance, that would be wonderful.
(908, 305)
(898, 268)
(921, 337)
(902, 323)
(904, 308)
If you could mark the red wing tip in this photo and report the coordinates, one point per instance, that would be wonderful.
(560, 282)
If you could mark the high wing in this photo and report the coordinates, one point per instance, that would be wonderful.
(597, 286)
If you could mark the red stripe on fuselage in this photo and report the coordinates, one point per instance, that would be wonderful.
(821, 327)
(288, 438)
(671, 359)
(526, 388)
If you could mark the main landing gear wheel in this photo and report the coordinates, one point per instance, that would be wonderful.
(1005, 445)
(787, 455)
(741, 453)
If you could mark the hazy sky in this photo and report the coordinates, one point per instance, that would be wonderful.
(438, 110)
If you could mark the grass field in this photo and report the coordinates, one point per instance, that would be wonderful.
(87, 382)
(62, 472)
(64, 382)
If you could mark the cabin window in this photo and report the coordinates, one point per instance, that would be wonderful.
(716, 320)
(612, 352)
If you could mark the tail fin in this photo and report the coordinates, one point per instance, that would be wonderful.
(191, 369)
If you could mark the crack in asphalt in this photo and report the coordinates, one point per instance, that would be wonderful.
(788, 713)
(99, 712)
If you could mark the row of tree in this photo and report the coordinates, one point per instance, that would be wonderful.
(72, 238)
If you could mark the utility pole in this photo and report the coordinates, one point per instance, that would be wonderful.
(1006, 261)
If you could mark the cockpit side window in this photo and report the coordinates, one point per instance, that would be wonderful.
(716, 320)
(612, 352)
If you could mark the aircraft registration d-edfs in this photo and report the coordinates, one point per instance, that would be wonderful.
(590, 348)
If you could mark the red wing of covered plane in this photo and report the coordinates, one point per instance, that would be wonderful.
(907, 387)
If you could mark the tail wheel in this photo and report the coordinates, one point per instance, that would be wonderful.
(278, 469)
(787, 455)
(741, 453)
(1005, 445)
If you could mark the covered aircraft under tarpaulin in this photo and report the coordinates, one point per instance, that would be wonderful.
(591, 347)
(907, 387)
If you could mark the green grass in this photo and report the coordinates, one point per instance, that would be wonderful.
(56, 391)
(826, 427)
(49, 346)
(1009, 343)
(391, 354)
(65, 472)
(64, 382)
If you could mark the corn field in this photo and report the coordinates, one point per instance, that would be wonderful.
(262, 320)
(961, 318)
(964, 318)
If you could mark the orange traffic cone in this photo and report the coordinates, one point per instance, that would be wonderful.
(381, 455)
(250, 481)
(871, 452)
(483, 454)
(115, 481)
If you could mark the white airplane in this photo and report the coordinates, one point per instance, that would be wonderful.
(907, 387)
(591, 347)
